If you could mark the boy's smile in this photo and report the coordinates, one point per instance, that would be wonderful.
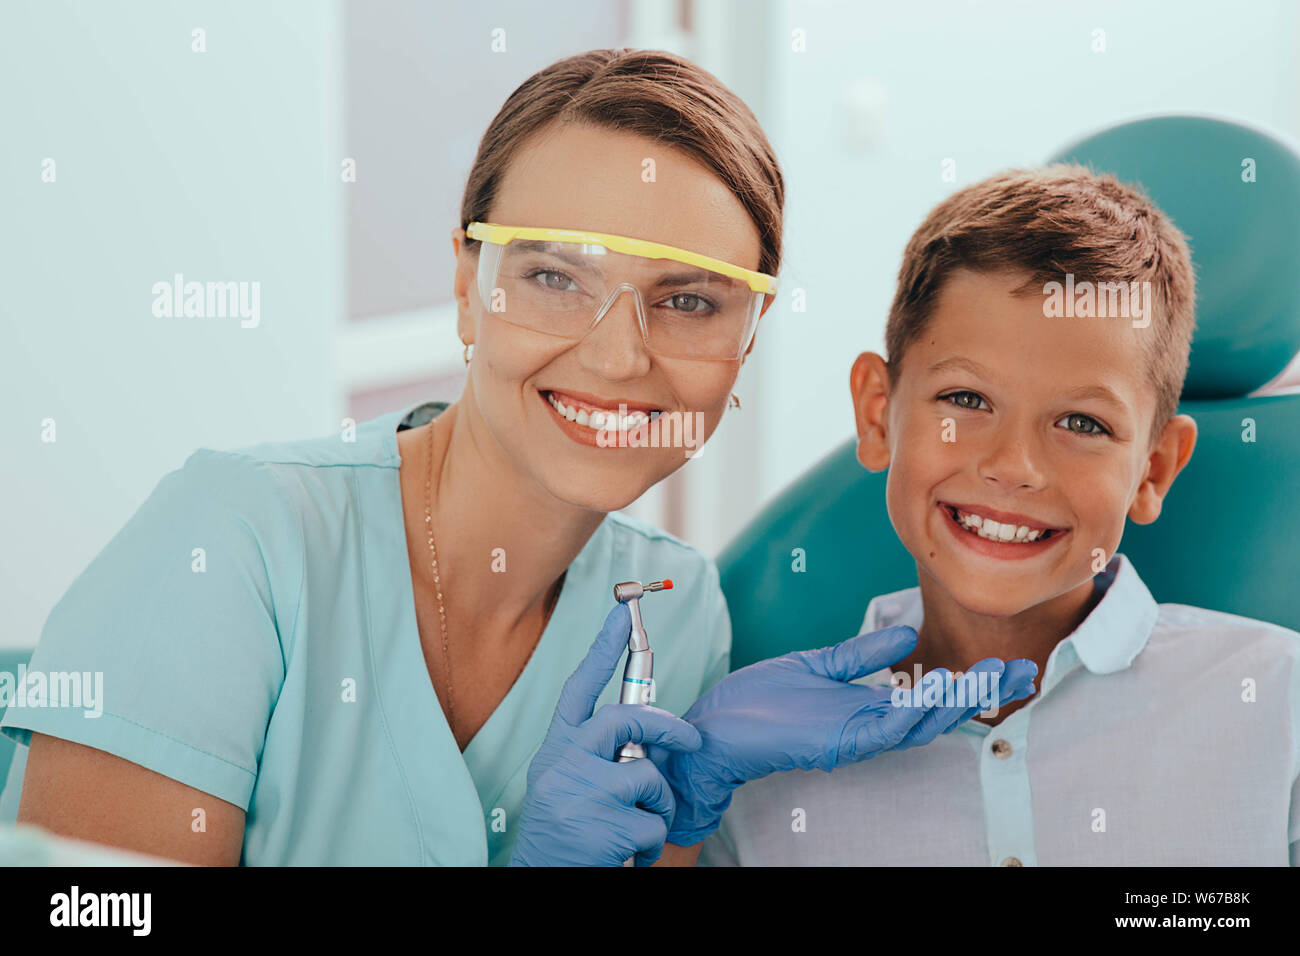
(1017, 444)
(1000, 534)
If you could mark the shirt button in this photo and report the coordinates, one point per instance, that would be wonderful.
(1011, 861)
(1001, 749)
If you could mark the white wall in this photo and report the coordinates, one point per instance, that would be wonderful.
(221, 165)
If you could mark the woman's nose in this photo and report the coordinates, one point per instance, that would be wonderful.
(615, 349)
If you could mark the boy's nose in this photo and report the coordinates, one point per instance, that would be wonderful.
(1011, 463)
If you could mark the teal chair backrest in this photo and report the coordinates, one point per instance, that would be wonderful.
(9, 661)
(802, 573)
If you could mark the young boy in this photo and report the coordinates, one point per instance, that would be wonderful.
(1018, 440)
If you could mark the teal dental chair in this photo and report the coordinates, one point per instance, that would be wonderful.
(9, 661)
(1229, 534)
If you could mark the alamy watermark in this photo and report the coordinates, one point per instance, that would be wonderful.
(665, 430)
(969, 689)
(82, 690)
(1103, 300)
(208, 300)
(130, 910)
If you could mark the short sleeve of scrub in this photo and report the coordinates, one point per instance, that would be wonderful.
(166, 649)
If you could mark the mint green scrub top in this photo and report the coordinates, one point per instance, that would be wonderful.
(279, 668)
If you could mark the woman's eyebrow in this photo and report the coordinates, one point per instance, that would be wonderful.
(683, 275)
(575, 259)
(688, 275)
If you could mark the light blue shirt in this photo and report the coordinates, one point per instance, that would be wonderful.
(1160, 735)
(255, 626)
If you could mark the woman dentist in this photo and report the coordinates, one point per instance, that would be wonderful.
(347, 650)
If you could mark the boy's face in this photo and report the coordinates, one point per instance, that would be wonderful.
(1032, 429)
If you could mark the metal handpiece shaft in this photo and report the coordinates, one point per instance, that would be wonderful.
(638, 673)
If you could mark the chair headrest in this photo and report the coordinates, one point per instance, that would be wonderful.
(1235, 192)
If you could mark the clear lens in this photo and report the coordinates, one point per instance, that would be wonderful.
(564, 289)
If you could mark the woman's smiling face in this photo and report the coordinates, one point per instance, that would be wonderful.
(587, 178)
(1032, 429)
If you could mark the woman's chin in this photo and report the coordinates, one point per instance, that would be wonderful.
(593, 495)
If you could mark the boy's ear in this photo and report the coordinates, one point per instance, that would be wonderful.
(1172, 450)
(869, 383)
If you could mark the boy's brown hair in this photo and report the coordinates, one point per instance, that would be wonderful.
(1053, 221)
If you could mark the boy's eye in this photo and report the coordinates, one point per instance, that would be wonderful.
(963, 399)
(1083, 424)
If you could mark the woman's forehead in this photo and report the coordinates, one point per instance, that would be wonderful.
(604, 180)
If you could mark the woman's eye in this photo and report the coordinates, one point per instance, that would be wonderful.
(1083, 424)
(963, 399)
(690, 303)
(553, 280)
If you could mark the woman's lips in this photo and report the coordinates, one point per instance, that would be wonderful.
(1006, 550)
(593, 403)
(632, 437)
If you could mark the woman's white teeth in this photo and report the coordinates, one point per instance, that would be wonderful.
(996, 530)
(601, 421)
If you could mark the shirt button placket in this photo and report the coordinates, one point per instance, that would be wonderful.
(1004, 779)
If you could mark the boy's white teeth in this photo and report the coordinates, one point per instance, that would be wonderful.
(995, 530)
(599, 420)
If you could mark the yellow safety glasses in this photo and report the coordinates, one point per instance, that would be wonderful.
(562, 282)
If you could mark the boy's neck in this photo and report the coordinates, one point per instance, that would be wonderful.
(956, 638)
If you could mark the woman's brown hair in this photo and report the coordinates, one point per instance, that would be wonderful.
(656, 94)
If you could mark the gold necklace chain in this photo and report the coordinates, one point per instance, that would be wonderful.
(552, 598)
(437, 582)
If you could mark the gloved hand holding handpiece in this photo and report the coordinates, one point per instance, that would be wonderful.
(583, 808)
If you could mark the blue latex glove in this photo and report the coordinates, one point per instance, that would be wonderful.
(1016, 683)
(799, 712)
(582, 808)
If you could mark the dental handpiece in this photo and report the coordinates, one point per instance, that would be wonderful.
(638, 673)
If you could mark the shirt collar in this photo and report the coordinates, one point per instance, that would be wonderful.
(1117, 629)
(377, 438)
(1108, 640)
